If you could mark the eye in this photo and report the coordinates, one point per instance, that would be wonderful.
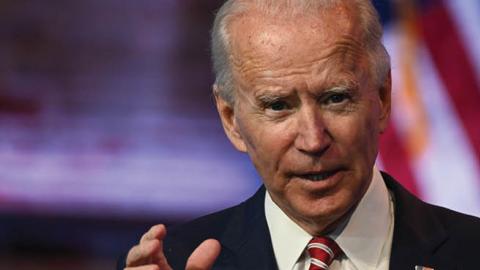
(278, 106)
(336, 98)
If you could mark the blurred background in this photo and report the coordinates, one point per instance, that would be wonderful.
(108, 126)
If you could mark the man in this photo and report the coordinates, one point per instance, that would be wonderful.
(303, 87)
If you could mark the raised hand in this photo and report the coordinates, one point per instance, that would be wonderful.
(148, 254)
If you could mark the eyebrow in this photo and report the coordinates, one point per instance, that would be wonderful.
(343, 83)
(267, 96)
(341, 86)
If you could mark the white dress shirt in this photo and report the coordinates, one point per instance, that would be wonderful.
(365, 239)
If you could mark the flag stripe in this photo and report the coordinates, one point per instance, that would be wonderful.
(416, 127)
(395, 159)
(466, 15)
(455, 69)
(448, 175)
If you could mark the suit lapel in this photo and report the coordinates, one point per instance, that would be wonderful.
(417, 230)
(417, 234)
(247, 241)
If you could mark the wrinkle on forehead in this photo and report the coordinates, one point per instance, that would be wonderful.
(267, 47)
(345, 56)
(346, 52)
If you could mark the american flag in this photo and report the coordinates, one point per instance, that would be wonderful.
(433, 143)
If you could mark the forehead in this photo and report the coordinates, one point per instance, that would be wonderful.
(258, 28)
(262, 41)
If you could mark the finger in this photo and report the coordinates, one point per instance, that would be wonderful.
(204, 256)
(156, 232)
(144, 267)
(143, 253)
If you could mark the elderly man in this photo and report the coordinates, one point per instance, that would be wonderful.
(303, 87)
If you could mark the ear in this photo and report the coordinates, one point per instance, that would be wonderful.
(229, 122)
(385, 95)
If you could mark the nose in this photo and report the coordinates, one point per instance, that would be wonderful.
(313, 137)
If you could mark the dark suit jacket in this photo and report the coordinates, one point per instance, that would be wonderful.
(424, 235)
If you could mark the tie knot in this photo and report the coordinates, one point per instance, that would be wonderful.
(323, 251)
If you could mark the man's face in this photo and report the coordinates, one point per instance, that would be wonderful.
(306, 111)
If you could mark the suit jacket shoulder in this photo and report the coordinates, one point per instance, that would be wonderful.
(242, 231)
(429, 235)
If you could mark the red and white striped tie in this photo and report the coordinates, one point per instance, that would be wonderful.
(323, 251)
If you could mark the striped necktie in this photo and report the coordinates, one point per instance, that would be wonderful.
(323, 251)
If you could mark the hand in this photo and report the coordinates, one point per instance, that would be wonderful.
(148, 254)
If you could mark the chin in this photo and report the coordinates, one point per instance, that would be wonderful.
(320, 213)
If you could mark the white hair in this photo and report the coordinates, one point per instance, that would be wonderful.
(220, 40)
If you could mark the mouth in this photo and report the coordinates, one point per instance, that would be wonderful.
(317, 176)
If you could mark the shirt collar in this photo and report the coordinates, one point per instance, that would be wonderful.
(366, 225)
(364, 236)
(288, 239)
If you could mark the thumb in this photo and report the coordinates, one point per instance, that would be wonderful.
(204, 256)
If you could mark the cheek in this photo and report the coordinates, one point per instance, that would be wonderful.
(267, 144)
(356, 135)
